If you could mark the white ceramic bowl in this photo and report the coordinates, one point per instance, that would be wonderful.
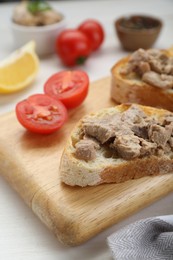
(44, 36)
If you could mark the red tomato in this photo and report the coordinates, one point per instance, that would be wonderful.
(40, 113)
(70, 87)
(94, 31)
(73, 47)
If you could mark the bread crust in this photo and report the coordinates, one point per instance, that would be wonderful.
(125, 90)
(74, 171)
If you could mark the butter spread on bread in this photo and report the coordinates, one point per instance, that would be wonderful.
(145, 77)
(117, 144)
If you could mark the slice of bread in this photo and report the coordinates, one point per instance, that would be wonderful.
(132, 89)
(108, 166)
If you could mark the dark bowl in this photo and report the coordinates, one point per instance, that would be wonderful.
(137, 31)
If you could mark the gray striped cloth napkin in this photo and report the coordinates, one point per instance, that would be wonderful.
(147, 239)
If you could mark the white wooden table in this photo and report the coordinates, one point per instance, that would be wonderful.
(22, 235)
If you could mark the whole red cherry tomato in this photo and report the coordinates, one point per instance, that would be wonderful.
(94, 31)
(73, 47)
(70, 87)
(40, 113)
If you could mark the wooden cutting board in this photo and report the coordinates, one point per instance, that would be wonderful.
(29, 162)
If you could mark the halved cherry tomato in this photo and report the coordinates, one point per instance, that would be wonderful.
(94, 31)
(73, 47)
(40, 113)
(70, 87)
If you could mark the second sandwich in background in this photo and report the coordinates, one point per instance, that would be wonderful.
(145, 77)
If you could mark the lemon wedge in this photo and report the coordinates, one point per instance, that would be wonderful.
(19, 69)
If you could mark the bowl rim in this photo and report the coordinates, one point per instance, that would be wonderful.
(42, 28)
(143, 30)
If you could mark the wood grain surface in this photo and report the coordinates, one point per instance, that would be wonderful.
(29, 162)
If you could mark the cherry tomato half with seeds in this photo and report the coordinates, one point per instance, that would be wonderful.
(70, 87)
(41, 114)
(94, 31)
(73, 47)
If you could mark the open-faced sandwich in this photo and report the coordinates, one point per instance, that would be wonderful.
(117, 144)
(145, 77)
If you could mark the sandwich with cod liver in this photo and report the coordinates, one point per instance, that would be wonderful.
(117, 144)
